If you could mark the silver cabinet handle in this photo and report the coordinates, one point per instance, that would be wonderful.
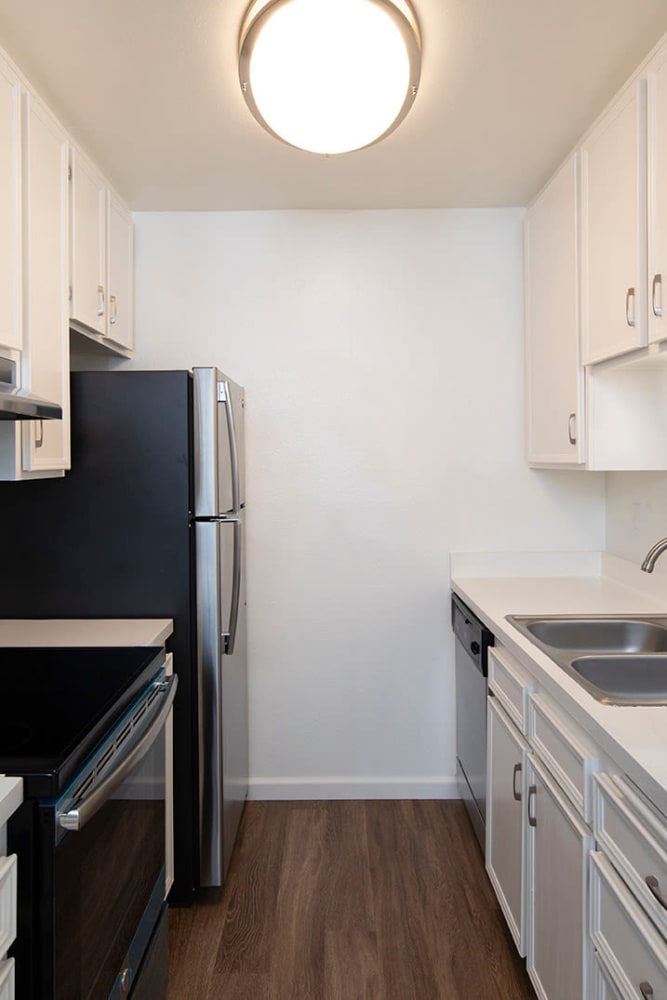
(657, 282)
(646, 990)
(517, 770)
(654, 887)
(39, 433)
(630, 318)
(532, 792)
(572, 428)
(100, 300)
(113, 318)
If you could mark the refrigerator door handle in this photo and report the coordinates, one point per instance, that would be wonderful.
(225, 396)
(230, 635)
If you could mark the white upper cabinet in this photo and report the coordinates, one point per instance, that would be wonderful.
(45, 362)
(102, 237)
(66, 258)
(657, 194)
(554, 378)
(88, 244)
(10, 209)
(613, 230)
(120, 257)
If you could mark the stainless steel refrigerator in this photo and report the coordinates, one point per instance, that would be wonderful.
(149, 523)
(219, 512)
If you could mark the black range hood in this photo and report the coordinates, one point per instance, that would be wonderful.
(19, 404)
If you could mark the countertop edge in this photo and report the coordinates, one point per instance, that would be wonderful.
(85, 631)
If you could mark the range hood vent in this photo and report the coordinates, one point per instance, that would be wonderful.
(19, 404)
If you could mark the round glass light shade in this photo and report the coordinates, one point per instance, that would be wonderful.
(330, 76)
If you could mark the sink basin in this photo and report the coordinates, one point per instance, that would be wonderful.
(635, 679)
(619, 659)
(627, 635)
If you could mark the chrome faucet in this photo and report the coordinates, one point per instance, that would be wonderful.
(653, 554)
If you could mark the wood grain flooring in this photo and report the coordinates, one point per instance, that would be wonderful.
(348, 901)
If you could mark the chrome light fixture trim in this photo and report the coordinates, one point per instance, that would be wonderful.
(401, 22)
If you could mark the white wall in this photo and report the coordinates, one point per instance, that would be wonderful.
(381, 354)
(636, 514)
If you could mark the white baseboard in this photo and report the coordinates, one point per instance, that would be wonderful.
(302, 789)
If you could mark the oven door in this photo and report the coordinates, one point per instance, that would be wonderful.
(99, 878)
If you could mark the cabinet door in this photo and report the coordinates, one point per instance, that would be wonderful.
(613, 211)
(120, 255)
(505, 819)
(554, 380)
(46, 361)
(10, 210)
(88, 245)
(558, 848)
(657, 195)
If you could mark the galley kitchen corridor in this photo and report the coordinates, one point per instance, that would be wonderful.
(364, 900)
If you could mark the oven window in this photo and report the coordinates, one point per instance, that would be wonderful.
(104, 877)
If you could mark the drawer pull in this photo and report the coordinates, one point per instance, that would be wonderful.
(630, 316)
(654, 887)
(517, 770)
(657, 281)
(646, 990)
(532, 792)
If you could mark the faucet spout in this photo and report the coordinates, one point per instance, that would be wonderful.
(653, 555)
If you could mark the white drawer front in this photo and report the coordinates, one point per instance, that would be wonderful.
(634, 836)
(629, 948)
(7, 902)
(510, 685)
(7, 979)
(564, 748)
(604, 987)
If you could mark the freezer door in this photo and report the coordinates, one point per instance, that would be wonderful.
(219, 444)
(223, 692)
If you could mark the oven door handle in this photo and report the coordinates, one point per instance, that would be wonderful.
(76, 819)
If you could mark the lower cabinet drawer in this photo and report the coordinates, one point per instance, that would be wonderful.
(7, 902)
(629, 949)
(7, 979)
(634, 836)
(565, 749)
(510, 685)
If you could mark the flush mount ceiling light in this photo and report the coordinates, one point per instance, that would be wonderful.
(330, 76)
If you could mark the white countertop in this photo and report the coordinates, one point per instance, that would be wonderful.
(85, 631)
(635, 737)
(11, 796)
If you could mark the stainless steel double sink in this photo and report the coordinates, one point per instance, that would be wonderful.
(619, 659)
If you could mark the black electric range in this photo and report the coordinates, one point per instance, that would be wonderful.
(57, 702)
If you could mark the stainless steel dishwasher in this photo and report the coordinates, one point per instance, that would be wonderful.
(471, 658)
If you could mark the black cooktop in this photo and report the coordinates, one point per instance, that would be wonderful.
(56, 704)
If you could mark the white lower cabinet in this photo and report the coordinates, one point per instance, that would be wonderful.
(10, 800)
(7, 979)
(630, 954)
(506, 819)
(558, 847)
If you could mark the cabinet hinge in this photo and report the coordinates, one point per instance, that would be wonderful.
(69, 171)
(222, 393)
(69, 293)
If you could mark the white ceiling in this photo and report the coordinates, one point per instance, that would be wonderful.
(150, 88)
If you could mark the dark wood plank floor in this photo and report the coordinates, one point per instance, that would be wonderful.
(348, 901)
